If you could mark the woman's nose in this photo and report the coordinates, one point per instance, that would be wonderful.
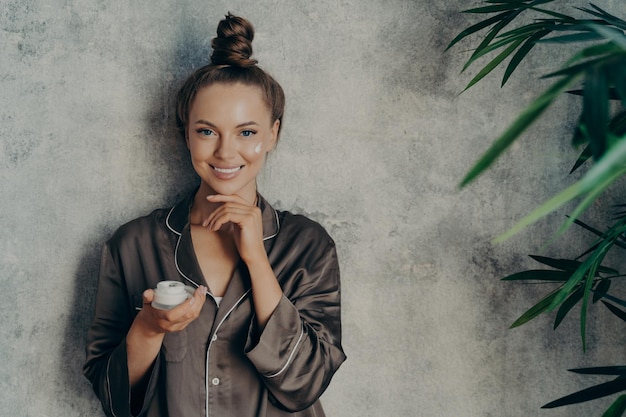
(226, 148)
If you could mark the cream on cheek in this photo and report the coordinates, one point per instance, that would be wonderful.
(257, 149)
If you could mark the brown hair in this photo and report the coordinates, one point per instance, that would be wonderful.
(230, 63)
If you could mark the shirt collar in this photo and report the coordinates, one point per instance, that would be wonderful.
(178, 217)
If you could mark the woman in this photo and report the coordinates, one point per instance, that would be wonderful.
(261, 335)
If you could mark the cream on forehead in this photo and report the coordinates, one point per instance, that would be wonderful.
(258, 148)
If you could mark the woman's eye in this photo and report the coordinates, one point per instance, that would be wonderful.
(247, 133)
(205, 132)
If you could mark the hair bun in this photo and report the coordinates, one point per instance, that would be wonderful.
(233, 43)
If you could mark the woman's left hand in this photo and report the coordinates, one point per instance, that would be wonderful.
(246, 223)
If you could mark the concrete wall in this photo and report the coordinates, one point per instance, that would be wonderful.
(375, 141)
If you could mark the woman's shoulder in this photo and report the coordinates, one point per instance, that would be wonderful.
(302, 227)
(169, 221)
(141, 227)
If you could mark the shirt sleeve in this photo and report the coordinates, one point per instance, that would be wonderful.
(106, 365)
(299, 349)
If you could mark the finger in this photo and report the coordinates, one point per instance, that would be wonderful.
(231, 212)
(233, 198)
(197, 301)
(199, 296)
(225, 208)
(184, 313)
(234, 216)
(148, 296)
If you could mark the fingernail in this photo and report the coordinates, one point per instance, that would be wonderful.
(191, 301)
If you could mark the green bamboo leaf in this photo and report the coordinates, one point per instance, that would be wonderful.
(589, 266)
(589, 250)
(608, 168)
(535, 310)
(573, 38)
(584, 156)
(546, 208)
(614, 35)
(524, 120)
(611, 234)
(607, 48)
(616, 409)
(574, 25)
(493, 9)
(615, 300)
(601, 269)
(504, 21)
(489, 48)
(581, 129)
(494, 63)
(592, 393)
(617, 125)
(529, 29)
(595, 113)
(617, 76)
(599, 187)
(475, 28)
(521, 53)
(588, 228)
(578, 68)
(567, 305)
(611, 139)
(506, 1)
(612, 161)
(568, 265)
(583, 311)
(572, 283)
(601, 370)
(554, 14)
(539, 275)
(601, 289)
(615, 310)
(604, 15)
(493, 32)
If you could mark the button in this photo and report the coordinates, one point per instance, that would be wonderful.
(214, 338)
(215, 381)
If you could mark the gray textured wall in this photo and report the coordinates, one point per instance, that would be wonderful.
(375, 142)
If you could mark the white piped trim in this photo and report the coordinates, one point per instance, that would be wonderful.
(291, 355)
(208, 352)
(169, 226)
(167, 221)
(277, 226)
(109, 389)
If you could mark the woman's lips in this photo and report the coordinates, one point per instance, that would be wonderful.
(226, 173)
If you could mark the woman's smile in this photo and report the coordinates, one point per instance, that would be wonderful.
(224, 173)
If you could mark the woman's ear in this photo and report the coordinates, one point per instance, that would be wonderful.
(274, 132)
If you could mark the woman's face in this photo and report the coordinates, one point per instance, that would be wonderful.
(230, 131)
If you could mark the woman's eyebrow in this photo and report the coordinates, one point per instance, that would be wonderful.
(250, 123)
(205, 122)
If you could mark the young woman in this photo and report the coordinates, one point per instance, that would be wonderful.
(261, 335)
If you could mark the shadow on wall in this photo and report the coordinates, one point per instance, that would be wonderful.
(80, 316)
(175, 177)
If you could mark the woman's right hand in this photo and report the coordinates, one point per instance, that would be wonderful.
(154, 321)
(146, 334)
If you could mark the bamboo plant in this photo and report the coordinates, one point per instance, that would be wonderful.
(596, 73)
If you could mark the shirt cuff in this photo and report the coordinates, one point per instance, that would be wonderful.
(274, 349)
(118, 386)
